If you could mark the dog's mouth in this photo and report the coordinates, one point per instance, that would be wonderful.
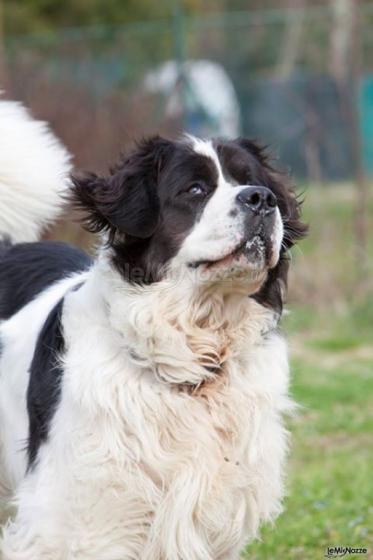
(253, 253)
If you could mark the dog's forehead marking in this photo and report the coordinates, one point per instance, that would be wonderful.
(206, 148)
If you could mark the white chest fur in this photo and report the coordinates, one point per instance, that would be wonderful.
(174, 424)
(168, 442)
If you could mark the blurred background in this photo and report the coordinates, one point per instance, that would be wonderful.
(298, 76)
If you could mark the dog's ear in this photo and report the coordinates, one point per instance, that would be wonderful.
(126, 201)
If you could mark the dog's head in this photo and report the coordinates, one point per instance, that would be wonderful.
(216, 210)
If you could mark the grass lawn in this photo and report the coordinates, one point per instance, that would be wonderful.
(330, 475)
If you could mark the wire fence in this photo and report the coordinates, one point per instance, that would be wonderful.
(265, 74)
(297, 80)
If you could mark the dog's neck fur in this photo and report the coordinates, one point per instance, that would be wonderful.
(183, 334)
(141, 364)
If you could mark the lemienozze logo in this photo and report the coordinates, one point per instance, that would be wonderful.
(340, 551)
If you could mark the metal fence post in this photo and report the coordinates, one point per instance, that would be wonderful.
(180, 55)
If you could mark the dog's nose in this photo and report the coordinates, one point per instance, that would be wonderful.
(258, 199)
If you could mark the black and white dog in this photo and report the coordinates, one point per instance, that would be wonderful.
(142, 393)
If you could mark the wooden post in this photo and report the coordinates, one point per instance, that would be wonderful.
(346, 66)
(361, 184)
(293, 37)
(3, 76)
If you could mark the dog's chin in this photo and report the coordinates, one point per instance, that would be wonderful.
(251, 260)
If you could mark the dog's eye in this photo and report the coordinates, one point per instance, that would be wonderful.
(197, 189)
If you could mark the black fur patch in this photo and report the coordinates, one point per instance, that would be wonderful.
(26, 269)
(127, 199)
(146, 205)
(44, 387)
(273, 292)
(249, 163)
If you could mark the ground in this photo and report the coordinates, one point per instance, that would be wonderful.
(330, 484)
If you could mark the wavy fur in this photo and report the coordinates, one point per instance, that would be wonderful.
(34, 169)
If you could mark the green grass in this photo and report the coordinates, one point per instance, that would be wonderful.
(327, 263)
(330, 480)
(330, 474)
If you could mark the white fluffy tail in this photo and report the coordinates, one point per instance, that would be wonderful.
(34, 168)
